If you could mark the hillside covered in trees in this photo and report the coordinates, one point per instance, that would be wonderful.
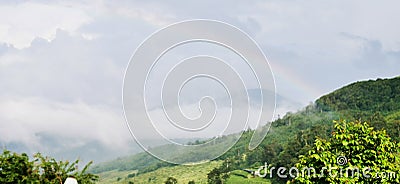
(290, 137)
(381, 95)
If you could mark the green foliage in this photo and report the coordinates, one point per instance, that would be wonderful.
(131, 175)
(362, 146)
(217, 176)
(17, 168)
(171, 180)
(380, 95)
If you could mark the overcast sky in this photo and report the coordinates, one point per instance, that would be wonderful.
(62, 62)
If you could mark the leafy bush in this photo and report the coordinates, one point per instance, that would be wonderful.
(171, 180)
(362, 153)
(18, 168)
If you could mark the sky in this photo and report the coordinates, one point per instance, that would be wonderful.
(62, 63)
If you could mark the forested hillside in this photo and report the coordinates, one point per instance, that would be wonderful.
(376, 102)
(381, 95)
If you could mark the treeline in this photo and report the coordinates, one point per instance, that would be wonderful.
(381, 95)
(142, 162)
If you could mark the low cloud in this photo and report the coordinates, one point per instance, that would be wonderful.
(24, 119)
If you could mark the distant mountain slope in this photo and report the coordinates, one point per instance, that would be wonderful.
(377, 101)
(374, 95)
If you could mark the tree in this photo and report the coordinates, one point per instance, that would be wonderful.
(171, 180)
(17, 168)
(355, 153)
(217, 176)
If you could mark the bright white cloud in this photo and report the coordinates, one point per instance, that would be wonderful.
(21, 23)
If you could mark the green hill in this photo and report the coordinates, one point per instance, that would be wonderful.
(375, 101)
(374, 95)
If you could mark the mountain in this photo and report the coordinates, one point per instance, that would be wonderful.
(375, 101)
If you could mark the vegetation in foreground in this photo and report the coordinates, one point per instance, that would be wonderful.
(355, 153)
(18, 168)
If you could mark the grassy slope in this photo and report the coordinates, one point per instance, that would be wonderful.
(183, 173)
(144, 162)
(241, 177)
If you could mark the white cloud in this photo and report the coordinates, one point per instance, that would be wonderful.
(23, 118)
(22, 23)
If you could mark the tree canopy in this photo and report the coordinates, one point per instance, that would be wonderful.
(18, 168)
(355, 153)
(381, 95)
